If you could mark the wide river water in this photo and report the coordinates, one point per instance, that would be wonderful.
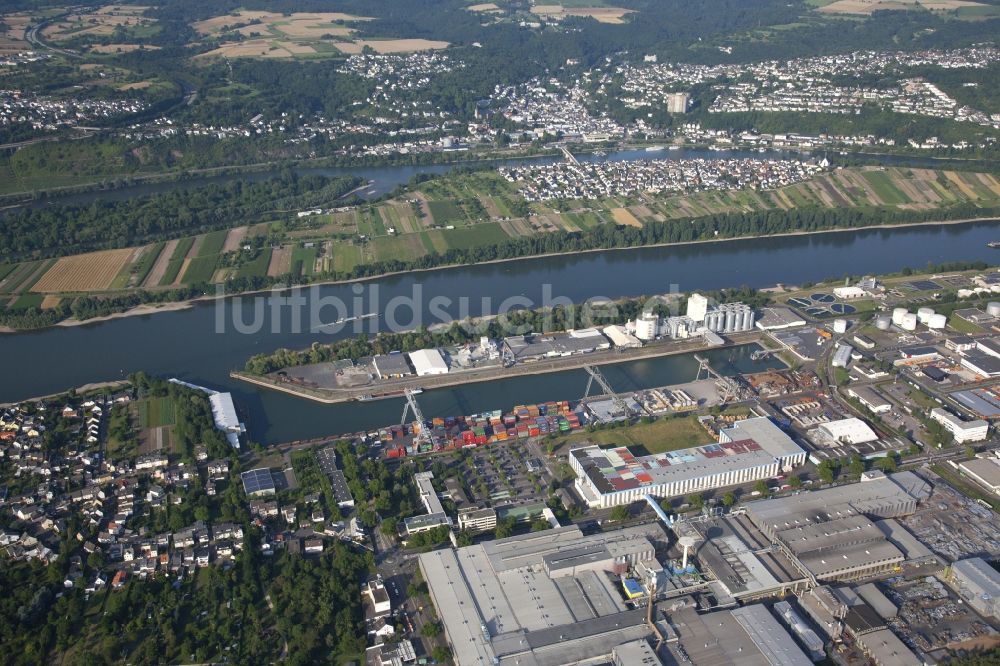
(201, 346)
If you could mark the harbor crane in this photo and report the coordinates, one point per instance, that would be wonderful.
(728, 388)
(598, 376)
(423, 436)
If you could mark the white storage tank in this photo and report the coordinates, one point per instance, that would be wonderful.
(908, 322)
(937, 321)
(898, 314)
(645, 326)
(840, 326)
(993, 309)
(923, 314)
(882, 322)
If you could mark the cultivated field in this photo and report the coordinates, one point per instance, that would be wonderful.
(625, 217)
(867, 7)
(99, 23)
(299, 24)
(391, 45)
(120, 48)
(601, 14)
(13, 40)
(84, 272)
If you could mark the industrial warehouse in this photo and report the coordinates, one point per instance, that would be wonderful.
(749, 450)
(559, 597)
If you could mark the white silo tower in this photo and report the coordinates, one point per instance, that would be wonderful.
(908, 322)
(923, 314)
(898, 314)
(840, 326)
(993, 309)
(882, 322)
(646, 325)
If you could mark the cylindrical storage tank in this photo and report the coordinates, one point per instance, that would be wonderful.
(882, 322)
(751, 319)
(730, 320)
(897, 315)
(908, 322)
(936, 321)
(840, 326)
(993, 309)
(645, 327)
(718, 321)
(923, 314)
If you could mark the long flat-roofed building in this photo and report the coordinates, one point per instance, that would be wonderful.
(749, 450)
(984, 470)
(979, 584)
(540, 599)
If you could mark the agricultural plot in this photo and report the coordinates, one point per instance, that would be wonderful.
(25, 301)
(403, 248)
(614, 15)
(156, 412)
(868, 7)
(303, 261)
(94, 271)
(386, 46)
(298, 34)
(102, 23)
(212, 243)
(142, 267)
(342, 257)
(257, 267)
(199, 269)
(446, 212)
(178, 258)
(489, 233)
(624, 217)
(281, 261)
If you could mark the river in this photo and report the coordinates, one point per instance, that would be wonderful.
(187, 344)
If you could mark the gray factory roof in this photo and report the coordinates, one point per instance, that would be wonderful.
(977, 576)
(774, 318)
(770, 637)
(537, 346)
(497, 600)
(636, 653)
(878, 601)
(885, 497)
(716, 639)
(904, 540)
(886, 649)
(391, 365)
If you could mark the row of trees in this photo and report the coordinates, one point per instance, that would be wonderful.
(60, 230)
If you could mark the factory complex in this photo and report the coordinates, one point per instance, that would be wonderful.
(561, 596)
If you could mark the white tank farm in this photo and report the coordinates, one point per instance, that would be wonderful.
(993, 309)
(840, 326)
(923, 314)
(898, 314)
(908, 322)
(936, 321)
(882, 322)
